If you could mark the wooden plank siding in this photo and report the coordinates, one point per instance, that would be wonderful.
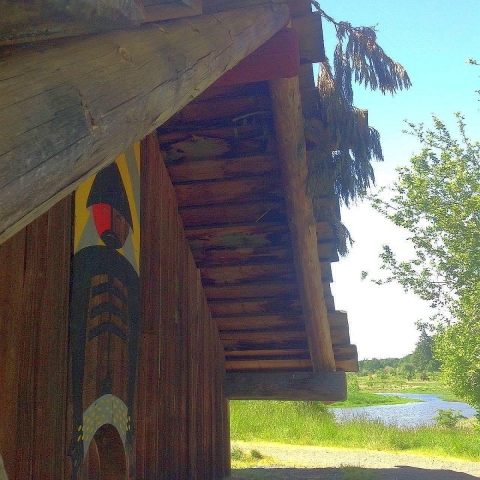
(34, 283)
(181, 409)
(181, 414)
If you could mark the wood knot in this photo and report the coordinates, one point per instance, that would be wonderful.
(125, 54)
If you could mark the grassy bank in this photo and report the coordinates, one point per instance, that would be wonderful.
(307, 423)
(374, 384)
(368, 399)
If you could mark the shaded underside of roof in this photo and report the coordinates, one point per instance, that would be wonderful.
(221, 154)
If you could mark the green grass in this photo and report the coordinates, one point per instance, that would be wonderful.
(391, 385)
(369, 399)
(308, 423)
(448, 397)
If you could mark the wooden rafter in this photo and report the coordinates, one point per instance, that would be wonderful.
(287, 110)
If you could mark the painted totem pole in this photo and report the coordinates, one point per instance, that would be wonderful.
(105, 312)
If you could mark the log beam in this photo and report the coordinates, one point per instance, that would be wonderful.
(67, 110)
(287, 111)
(311, 386)
(153, 11)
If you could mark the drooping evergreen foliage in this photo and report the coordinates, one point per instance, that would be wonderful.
(341, 164)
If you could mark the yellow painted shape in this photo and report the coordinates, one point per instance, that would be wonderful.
(122, 167)
(82, 213)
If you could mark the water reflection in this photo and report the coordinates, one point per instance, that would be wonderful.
(407, 414)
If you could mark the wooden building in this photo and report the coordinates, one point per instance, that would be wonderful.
(159, 251)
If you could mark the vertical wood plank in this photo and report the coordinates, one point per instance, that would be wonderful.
(52, 353)
(189, 366)
(12, 258)
(33, 345)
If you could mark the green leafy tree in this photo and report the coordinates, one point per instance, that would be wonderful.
(422, 357)
(437, 200)
(407, 370)
(458, 348)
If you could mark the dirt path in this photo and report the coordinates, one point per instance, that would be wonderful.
(318, 463)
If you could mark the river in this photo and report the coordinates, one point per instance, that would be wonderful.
(405, 415)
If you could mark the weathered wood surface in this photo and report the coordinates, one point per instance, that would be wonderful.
(253, 273)
(245, 255)
(256, 340)
(238, 342)
(311, 386)
(257, 234)
(271, 322)
(239, 213)
(153, 11)
(34, 281)
(26, 21)
(70, 109)
(260, 322)
(233, 206)
(345, 360)
(182, 426)
(261, 364)
(297, 7)
(288, 304)
(271, 353)
(242, 256)
(221, 108)
(292, 152)
(266, 188)
(229, 293)
(310, 35)
(222, 169)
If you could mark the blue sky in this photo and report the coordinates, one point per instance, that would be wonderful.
(431, 39)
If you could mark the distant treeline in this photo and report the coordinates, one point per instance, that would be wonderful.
(419, 363)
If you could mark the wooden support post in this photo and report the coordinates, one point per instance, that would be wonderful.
(311, 386)
(67, 110)
(288, 119)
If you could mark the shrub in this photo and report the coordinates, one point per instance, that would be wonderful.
(237, 454)
(255, 454)
(352, 384)
(448, 418)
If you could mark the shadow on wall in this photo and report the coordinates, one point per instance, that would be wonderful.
(348, 473)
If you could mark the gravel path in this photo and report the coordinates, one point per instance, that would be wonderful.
(318, 463)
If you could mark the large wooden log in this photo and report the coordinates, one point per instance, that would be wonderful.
(254, 235)
(27, 21)
(345, 359)
(68, 110)
(154, 10)
(237, 274)
(319, 386)
(288, 119)
(222, 169)
(250, 340)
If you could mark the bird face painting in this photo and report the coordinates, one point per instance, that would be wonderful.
(105, 311)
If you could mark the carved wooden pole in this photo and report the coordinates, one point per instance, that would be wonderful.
(69, 109)
(288, 118)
